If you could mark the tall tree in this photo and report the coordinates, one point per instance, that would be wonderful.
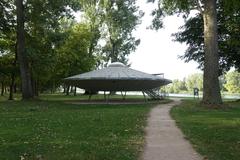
(93, 15)
(73, 55)
(211, 87)
(7, 18)
(8, 39)
(44, 35)
(120, 19)
(116, 20)
(38, 35)
(192, 34)
(208, 10)
(27, 92)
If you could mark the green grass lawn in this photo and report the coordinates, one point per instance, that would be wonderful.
(214, 133)
(63, 97)
(55, 130)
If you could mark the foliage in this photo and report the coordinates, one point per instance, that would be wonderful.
(192, 31)
(229, 82)
(228, 38)
(207, 10)
(120, 19)
(195, 81)
(57, 46)
(41, 28)
(44, 35)
(232, 82)
(56, 130)
(7, 35)
(74, 57)
(170, 7)
(6, 68)
(6, 16)
(112, 23)
(176, 86)
(47, 27)
(186, 85)
(213, 133)
(93, 15)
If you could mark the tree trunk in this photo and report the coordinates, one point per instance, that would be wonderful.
(71, 89)
(75, 91)
(53, 87)
(13, 76)
(113, 53)
(11, 87)
(27, 92)
(67, 91)
(91, 48)
(5, 89)
(15, 88)
(211, 88)
(64, 88)
(2, 89)
(35, 88)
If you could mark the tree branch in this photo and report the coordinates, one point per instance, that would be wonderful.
(199, 6)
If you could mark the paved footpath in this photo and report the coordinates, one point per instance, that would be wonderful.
(164, 140)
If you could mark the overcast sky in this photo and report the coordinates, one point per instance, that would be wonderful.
(157, 53)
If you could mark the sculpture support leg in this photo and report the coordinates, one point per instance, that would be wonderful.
(145, 98)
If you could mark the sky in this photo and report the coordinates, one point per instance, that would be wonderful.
(157, 52)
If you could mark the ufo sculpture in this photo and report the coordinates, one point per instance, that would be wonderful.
(116, 77)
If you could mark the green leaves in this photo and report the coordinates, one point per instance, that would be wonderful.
(233, 82)
(7, 18)
(7, 67)
(228, 39)
(56, 46)
(121, 18)
(170, 7)
(74, 57)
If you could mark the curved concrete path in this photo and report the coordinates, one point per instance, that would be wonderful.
(164, 140)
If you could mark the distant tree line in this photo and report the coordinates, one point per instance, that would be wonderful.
(229, 82)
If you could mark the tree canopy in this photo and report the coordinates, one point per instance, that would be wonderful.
(207, 11)
(228, 38)
(44, 41)
(121, 19)
(41, 43)
(232, 82)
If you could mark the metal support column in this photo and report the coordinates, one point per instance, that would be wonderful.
(145, 99)
(123, 95)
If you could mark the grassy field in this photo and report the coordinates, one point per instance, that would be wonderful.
(63, 97)
(54, 130)
(215, 133)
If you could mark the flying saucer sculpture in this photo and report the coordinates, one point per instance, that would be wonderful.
(116, 77)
